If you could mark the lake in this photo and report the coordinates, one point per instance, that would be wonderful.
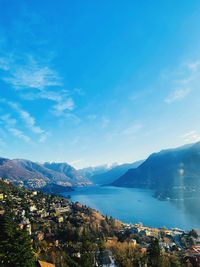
(132, 205)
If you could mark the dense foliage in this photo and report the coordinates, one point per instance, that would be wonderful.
(15, 245)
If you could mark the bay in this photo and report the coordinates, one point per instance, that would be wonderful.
(133, 205)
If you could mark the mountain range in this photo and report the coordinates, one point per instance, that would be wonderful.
(38, 175)
(50, 176)
(172, 173)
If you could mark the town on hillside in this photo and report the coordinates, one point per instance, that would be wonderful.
(54, 231)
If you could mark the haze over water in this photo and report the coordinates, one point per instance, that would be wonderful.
(132, 205)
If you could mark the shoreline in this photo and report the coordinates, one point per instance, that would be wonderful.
(98, 199)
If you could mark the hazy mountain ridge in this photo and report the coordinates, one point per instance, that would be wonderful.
(114, 173)
(170, 173)
(91, 171)
(38, 175)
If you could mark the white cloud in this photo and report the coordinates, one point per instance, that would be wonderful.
(6, 118)
(191, 137)
(43, 137)
(38, 78)
(30, 122)
(29, 75)
(57, 96)
(185, 80)
(63, 105)
(35, 81)
(19, 134)
(62, 100)
(27, 118)
(177, 94)
(10, 126)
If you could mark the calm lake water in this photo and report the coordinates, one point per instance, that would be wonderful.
(132, 205)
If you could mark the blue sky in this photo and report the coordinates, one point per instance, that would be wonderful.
(93, 82)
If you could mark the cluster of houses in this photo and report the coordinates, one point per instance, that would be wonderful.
(34, 209)
(169, 240)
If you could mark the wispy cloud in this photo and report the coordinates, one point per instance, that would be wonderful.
(19, 134)
(184, 80)
(190, 137)
(177, 94)
(27, 118)
(36, 77)
(10, 126)
(35, 80)
(43, 137)
(29, 74)
(132, 129)
(61, 99)
(6, 118)
(63, 105)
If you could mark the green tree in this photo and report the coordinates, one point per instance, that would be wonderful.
(15, 245)
(154, 253)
